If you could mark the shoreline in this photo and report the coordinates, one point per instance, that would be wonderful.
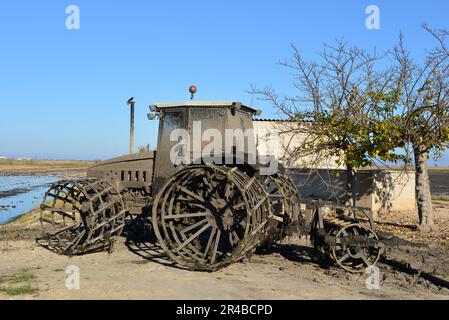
(10, 167)
(44, 172)
(23, 217)
(18, 201)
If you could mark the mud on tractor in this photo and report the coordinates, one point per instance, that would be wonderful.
(204, 214)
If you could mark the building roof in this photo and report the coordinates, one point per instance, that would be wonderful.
(273, 120)
(193, 104)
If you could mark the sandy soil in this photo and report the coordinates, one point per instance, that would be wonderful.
(137, 271)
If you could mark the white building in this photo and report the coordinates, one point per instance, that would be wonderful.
(319, 176)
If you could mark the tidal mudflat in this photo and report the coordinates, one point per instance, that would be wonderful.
(19, 194)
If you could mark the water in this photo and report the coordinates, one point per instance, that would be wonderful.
(20, 194)
(439, 183)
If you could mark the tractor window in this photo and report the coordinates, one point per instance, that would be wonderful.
(172, 121)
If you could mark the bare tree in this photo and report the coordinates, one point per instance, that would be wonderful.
(340, 96)
(423, 111)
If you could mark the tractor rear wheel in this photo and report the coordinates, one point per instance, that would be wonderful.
(207, 216)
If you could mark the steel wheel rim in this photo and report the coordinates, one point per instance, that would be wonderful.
(355, 259)
(218, 236)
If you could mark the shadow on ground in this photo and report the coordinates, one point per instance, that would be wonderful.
(297, 253)
(395, 224)
(141, 241)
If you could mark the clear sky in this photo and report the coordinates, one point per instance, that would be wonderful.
(63, 92)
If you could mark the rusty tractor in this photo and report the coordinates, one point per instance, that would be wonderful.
(205, 214)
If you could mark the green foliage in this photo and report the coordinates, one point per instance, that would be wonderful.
(16, 279)
(21, 278)
(15, 291)
(360, 133)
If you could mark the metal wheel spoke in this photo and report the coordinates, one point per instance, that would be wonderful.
(186, 215)
(364, 258)
(238, 206)
(217, 241)
(227, 192)
(233, 238)
(209, 242)
(192, 194)
(343, 259)
(236, 237)
(192, 237)
(193, 226)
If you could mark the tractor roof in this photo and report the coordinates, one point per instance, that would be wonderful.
(205, 104)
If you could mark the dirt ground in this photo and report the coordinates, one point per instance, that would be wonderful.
(138, 270)
(404, 225)
(290, 273)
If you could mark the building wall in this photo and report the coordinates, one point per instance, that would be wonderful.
(282, 138)
(380, 190)
(394, 191)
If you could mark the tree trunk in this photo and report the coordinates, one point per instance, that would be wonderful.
(350, 186)
(422, 189)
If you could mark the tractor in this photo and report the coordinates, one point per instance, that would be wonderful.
(208, 203)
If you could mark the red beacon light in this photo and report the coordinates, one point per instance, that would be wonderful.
(192, 89)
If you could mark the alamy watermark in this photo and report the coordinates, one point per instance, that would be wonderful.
(72, 21)
(372, 22)
(238, 146)
(373, 280)
(72, 282)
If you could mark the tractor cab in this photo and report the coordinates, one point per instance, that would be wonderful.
(201, 132)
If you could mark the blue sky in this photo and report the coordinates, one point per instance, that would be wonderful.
(63, 92)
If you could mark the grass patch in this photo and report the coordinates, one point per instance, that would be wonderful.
(22, 278)
(14, 285)
(439, 169)
(15, 291)
(440, 197)
(58, 270)
(18, 278)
